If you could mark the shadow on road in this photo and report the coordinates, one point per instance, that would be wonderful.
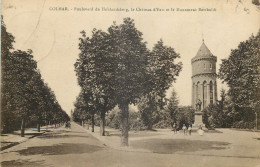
(68, 131)
(6, 145)
(22, 163)
(60, 149)
(58, 136)
(170, 146)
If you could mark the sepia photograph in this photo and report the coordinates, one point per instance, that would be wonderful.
(130, 83)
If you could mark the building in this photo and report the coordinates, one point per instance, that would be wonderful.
(204, 85)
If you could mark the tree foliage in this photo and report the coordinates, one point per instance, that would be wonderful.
(185, 115)
(131, 60)
(162, 71)
(241, 72)
(94, 71)
(113, 119)
(118, 69)
(162, 68)
(149, 108)
(173, 106)
(82, 110)
(24, 95)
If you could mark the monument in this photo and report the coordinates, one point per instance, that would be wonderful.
(204, 85)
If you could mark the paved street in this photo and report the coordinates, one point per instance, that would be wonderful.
(77, 147)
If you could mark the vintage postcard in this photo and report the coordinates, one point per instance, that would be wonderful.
(130, 83)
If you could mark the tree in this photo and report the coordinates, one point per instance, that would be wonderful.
(117, 68)
(172, 107)
(242, 74)
(168, 115)
(162, 71)
(81, 109)
(162, 68)
(229, 115)
(113, 119)
(112, 66)
(24, 95)
(8, 122)
(94, 70)
(149, 107)
(90, 103)
(185, 115)
(38, 95)
(130, 63)
(213, 115)
(21, 72)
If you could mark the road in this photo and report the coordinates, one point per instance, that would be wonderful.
(76, 147)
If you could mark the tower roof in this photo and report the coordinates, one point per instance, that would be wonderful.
(203, 51)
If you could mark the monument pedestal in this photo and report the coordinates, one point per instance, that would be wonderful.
(198, 121)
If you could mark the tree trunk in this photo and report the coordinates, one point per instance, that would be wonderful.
(46, 125)
(38, 127)
(82, 123)
(22, 128)
(92, 122)
(39, 124)
(102, 124)
(256, 120)
(124, 124)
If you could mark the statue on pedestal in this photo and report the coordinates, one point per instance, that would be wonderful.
(198, 105)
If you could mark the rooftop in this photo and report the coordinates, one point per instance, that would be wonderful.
(203, 51)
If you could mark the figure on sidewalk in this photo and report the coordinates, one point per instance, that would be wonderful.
(200, 131)
(189, 129)
(174, 127)
(184, 128)
(67, 125)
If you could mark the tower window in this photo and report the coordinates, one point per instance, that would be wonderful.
(210, 66)
(204, 66)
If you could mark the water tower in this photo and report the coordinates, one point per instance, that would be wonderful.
(204, 85)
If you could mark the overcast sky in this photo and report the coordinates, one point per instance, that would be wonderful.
(53, 35)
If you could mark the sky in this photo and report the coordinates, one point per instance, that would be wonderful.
(53, 34)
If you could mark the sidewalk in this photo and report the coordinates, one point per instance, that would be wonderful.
(113, 140)
(110, 141)
(12, 139)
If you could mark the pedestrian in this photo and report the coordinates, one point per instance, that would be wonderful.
(184, 128)
(200, 131)
(69, 125)
(174, 127)
(189, 129)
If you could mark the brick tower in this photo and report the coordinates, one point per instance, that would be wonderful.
(204, 85)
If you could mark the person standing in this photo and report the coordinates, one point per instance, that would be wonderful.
(184, 128)
(200, 131)
(174, 127)
(189, 129)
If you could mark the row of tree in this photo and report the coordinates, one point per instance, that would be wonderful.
(25, 98)
(146, 117)
(240, 106)
(116, 68)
